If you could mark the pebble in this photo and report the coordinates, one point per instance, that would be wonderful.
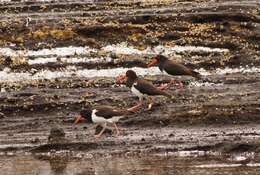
(2, 115)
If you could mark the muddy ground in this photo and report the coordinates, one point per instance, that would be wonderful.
(222, 114)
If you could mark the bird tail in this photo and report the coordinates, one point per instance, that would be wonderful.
(166, 94)
(197, 75)
(172, 97)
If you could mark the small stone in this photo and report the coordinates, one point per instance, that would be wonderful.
(171, 135)
(107, 131)
(36, 140)
(57, 132)
(2, 115)
(57, 135)
(237, 138)
(10, 134)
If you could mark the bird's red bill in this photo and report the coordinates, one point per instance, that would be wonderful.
(120, 78)
(78, 118)
(152, 63)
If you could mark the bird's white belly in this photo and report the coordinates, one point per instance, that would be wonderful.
(164, 72)
(136, 92)
(114, 119)
(102, 120)
(98, 119)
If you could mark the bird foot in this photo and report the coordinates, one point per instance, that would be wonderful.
(150, 106)
(119, 79)
(116, 134)
(164, 86)
(97, 136)
(134, 108)
(180, 87)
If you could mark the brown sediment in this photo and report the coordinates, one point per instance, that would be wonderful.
(201, 118)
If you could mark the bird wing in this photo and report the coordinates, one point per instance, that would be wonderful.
(108, 112)
(147, 88)
(175, 68)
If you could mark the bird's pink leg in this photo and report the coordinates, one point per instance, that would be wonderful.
(117, 130)
(180, 86)
(101, 132)
(167, 85)
(134, 108)
(137, 106)
(164, 86)
(151, 101)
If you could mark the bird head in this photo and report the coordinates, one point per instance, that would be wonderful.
(157, 59)
(130, 74)
(86, 114)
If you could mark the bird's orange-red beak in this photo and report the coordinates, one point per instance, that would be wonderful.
(152, 63)
(120, 78)
(77, 120)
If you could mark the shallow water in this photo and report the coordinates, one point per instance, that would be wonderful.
(118, 165)
(233, 101)
(83, 55)
(72, 71)
(121, 48)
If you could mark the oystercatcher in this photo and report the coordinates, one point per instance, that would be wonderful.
(103, 115)
(141, 88)
(171, 67)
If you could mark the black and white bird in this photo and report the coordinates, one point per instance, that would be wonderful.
(170, 67)
(103, 115)
(141, 88)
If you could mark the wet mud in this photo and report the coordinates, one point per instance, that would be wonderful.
(207, 125)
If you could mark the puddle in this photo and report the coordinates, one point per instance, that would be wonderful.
(72, 71)
(121, 48)
(75, 55)
(60, 51)
(228, 70)
(223, 165)
(118, 165)
(5, 1)
(60, 55)
(69, 60)
(199, 84)
(16, 145)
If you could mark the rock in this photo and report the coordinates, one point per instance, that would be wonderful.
(2, 115)
(35, 140)
(107, 131)
(57, 135)
(57, 132)
(171, 135)
(2, 89)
